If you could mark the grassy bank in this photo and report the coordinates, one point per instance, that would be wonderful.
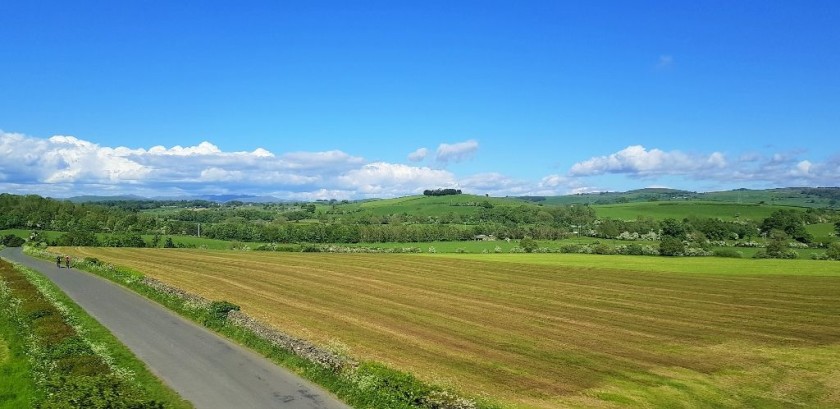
(72, 359)
(17, 386)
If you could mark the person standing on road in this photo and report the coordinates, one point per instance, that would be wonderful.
(67, 261)
(58, 261)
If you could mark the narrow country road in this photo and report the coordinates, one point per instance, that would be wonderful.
(204, 368)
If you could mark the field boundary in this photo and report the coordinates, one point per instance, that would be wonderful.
(360, 384)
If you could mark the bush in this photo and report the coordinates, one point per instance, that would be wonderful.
(728, 253)
(630, 250)
(671, 246)
(570, 248)
(92, 261)
(833, 251)
(528, 244)
(95, 392)
(603, 249)
(220, 309)
(12, 241)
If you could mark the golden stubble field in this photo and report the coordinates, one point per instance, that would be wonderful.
(538, 335)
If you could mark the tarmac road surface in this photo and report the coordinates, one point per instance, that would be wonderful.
(204, 368)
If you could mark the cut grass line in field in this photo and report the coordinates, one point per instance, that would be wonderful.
(693, 265)
(535, 331)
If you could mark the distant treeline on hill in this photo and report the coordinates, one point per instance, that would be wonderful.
(441, 192)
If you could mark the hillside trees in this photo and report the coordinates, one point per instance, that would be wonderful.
(791, 222)
(673, 234)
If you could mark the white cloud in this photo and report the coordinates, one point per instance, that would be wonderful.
(66, 160)
(418, 155)
(62, 166)
(777, 169)
(456, 152)
(391, 179)
(635, 160)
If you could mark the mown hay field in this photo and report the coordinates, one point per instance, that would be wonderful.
(535, 332)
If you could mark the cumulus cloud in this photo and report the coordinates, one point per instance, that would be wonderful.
(391, 179)
(60, 163)
(418, 155)
(64, 166)
(638, 161)
(456, 152)
(777, 169)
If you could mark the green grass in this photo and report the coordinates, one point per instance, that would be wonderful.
(24, 233)
(680, 210)
(17, 386)
(822, 231)
(64, 322)
(430, 205)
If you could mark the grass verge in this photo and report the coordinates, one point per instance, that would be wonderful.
(72, 360)
(17, 386)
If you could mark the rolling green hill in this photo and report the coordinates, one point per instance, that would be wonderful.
(431, 205)
(680, 210)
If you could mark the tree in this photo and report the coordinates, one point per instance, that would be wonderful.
(833, 251)
(792, 222)
(528, 244)
(77, 238)
(673, 228)
(11, 240)
(671, 246)
(837, 227)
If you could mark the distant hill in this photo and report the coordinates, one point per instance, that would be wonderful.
(789, 196)
(87, 199)
(209, 198)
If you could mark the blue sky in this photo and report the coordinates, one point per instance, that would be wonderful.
(323, 99)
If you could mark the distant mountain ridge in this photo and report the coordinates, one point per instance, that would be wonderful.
(209, 198)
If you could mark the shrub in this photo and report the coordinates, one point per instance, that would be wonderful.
(92, 261)
(528, 244)
(220, 309)
(728, 253)
(12, 241)
(671, 246)
(218, 312)
(95, 392)
(570, 248)
(696, 252)
(833, 251)
(603, 249)
(630, 250)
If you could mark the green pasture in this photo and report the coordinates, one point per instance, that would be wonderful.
(24, 233)
(430, 205)
(681, 210)
(822, 231)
